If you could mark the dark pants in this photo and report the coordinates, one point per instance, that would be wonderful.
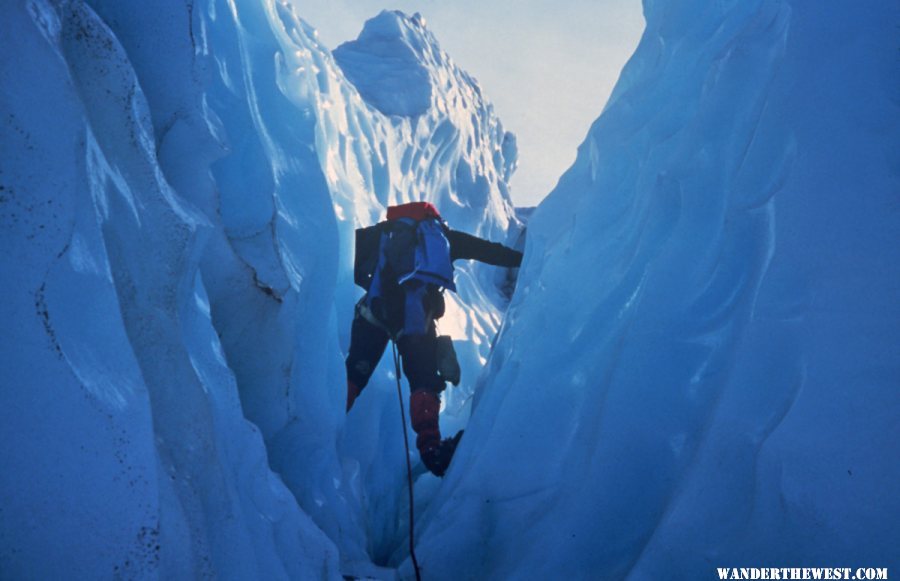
(418, 354)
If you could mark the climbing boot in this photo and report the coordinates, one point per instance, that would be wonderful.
(353, 392)
(437, 458)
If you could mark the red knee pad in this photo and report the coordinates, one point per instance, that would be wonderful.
(424, 407)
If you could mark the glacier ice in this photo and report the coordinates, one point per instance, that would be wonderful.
(699, 366)
(125, 452)
(181, 183)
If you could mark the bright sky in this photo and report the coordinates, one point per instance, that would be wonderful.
(547, 65)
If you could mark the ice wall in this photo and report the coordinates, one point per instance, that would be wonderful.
(125, 454)
(700, 365)
(180, 184)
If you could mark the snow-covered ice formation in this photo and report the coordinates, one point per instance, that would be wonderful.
(700, 366)
(180, 185)
(125, 453)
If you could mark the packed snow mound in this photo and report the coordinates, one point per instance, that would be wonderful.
(178, 206)
(457, 154)
(390, 64)
(699, 366)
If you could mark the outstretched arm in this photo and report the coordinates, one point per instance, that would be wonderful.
(465, 246)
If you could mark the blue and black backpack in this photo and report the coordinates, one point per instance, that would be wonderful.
(404, 263)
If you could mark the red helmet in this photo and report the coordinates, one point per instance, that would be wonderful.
(414, 210)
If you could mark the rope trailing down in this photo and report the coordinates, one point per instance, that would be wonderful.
(409, 480)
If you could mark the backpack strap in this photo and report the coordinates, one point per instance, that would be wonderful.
(415, 318)
(375, 288)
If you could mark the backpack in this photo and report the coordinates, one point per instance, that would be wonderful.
(402, 261)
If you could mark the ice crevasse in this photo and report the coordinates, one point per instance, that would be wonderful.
(180, 185)
(698, 367)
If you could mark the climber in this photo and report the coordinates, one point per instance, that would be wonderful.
(405, 263)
